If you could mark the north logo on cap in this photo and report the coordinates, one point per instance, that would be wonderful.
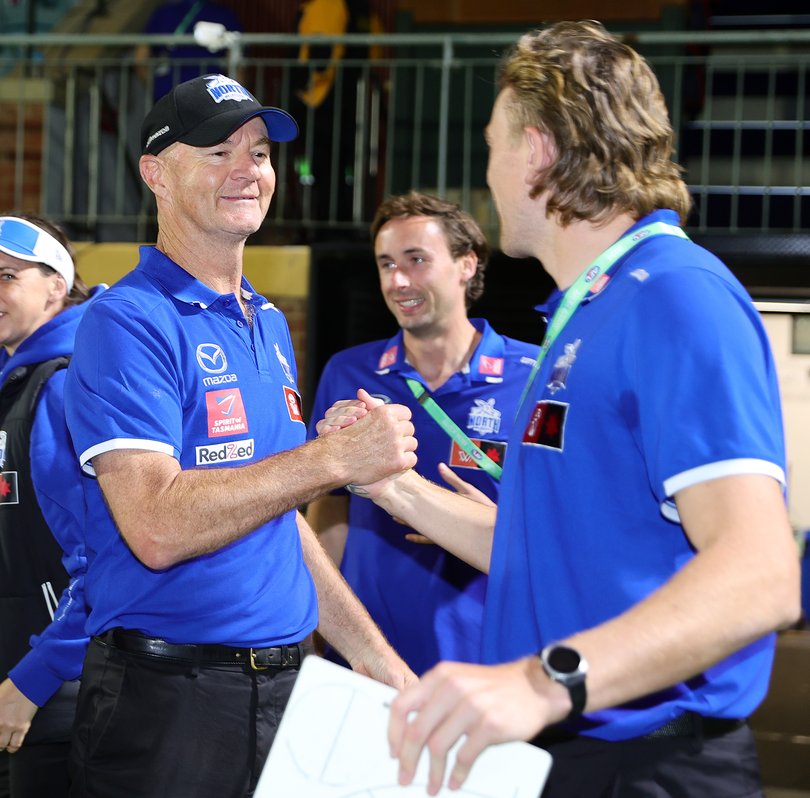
(221, 88)
(204, 111)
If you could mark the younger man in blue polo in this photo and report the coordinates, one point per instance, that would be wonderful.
(431, 258)
(641, 555)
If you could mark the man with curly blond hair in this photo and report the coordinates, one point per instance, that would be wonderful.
(641, 555)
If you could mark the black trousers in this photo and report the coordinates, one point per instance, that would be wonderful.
(666, 767)
(40, 768)
(151, 728)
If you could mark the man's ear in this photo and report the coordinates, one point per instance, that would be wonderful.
(469, 264)
(153, 173)
(542, 151)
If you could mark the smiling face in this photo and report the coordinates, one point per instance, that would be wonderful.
(422, 284)
(28, 299)
(222, 189)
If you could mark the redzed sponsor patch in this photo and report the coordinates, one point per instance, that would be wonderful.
(293, 401)
(547, 425)
(226, 413)
(494, 450)
(491, 365)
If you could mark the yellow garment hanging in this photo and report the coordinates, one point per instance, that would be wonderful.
(322, 17)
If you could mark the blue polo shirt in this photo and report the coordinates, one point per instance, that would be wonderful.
(165, 364)
(427, 602)
(663, 379)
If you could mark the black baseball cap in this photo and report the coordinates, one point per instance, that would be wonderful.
(204, 111)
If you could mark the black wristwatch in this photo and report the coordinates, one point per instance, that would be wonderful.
(568, 667)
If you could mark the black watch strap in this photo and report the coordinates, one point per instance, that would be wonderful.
(579, 697)
(568, 667)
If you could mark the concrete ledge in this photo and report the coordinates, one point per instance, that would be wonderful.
(273, 271)
(29, 91)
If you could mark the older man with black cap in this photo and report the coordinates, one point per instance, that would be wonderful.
(203, 579)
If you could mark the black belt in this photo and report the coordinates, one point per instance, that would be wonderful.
(690, 724)
(197, 654)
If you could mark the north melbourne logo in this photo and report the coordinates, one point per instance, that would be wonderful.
(484, 418)
(221, 88)
(285, 365)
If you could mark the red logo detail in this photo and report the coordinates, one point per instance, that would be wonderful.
(9, 493)
(492, 453)
(600, 284)
(293, 402)
(491, 365)
(388, 358)
(546, 425)
(494, 450)
(226, 413)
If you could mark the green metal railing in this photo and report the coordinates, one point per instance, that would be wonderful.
(404, 111)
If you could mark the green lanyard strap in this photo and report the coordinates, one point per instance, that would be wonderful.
(452, 429)
(571, 300)
(574, 295)
(186, 21)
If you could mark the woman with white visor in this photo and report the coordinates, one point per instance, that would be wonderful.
(42, 610)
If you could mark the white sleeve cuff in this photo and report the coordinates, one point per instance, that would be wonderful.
(704, 473)
(86, 457)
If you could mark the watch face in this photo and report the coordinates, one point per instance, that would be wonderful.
(563, 659)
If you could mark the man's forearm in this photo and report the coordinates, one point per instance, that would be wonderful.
(167, 514)
(194, 512)
(742, 584)
(460, 525)
(344, 622)
(329, 518)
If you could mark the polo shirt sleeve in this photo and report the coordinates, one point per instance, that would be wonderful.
(122, 388)
(705, 399)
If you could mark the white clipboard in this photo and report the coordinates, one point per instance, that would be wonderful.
(332, 743)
